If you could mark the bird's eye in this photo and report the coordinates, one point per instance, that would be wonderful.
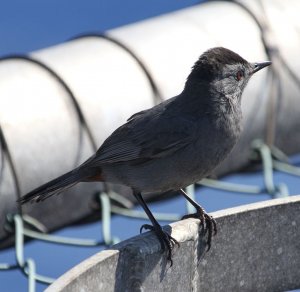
(239, 75)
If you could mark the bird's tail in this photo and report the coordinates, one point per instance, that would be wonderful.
(56, 186)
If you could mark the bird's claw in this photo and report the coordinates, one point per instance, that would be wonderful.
(166, 240)
(208, 224)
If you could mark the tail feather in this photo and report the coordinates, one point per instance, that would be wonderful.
(55, 186)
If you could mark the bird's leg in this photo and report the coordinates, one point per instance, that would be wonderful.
(207, 221)
(166, 240)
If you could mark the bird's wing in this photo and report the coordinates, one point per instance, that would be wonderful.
(134, 116)
(147, 135)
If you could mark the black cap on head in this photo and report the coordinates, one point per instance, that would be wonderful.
(212, 61)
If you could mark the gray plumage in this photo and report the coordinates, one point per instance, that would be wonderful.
(177, 142)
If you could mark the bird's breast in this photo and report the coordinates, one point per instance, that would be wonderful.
(214, 142)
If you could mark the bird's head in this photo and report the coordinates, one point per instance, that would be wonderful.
(223, 72)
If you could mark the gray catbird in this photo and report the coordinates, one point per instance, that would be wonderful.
(173, 144)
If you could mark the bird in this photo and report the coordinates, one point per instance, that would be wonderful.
(173, 144)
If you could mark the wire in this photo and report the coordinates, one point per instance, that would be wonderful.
(82, 120)
(7, 154)
(156, 93)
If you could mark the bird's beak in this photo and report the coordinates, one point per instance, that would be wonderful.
(259, 66)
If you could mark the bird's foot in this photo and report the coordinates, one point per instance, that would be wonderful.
(165, 239)
(208, 223)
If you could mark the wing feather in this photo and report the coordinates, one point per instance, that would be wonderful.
(149, 134)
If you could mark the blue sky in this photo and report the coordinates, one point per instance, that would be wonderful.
(33, 24)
